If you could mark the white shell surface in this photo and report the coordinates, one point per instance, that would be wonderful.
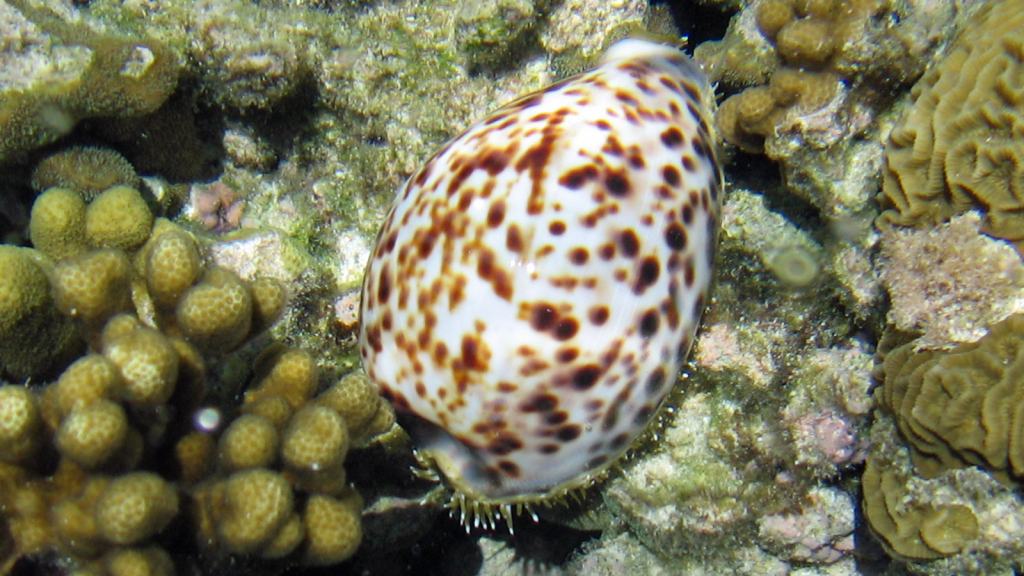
(537, 284)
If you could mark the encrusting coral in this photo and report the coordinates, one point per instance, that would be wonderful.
(912, 530)
(87, 170)
(963, 407)
(959, 146)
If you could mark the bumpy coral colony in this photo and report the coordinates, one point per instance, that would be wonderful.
(538, 283)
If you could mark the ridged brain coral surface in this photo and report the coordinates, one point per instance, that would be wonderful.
(964, 407)
(538, 283)
(961, 145)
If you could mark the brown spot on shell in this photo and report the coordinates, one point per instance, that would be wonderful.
(675, 236)
(578, 177)
(629, 243)
(647, 275)
(649, 324)
(565, 329)
(539, 403)
(672, 137)
(617, 183)
(569, 432)
(543, 316)
(598, 315)
(579, 256)
(671, 176)
(514, 239)
(585, 377)
(496, 214)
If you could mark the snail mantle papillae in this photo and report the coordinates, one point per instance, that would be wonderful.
(538, 282)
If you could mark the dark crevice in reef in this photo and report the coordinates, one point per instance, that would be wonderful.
(698, 21)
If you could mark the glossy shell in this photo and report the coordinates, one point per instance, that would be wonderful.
(537, 284)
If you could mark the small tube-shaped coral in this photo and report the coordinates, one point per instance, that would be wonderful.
(316, 439)
(20, 423)
(148, 365)
(286, 372)
(91, 435)
(90, 378)
(135, 507)
(148, 561)
(57, 225)
(355, 398)
(194, 454)
(216, 313)
(256, 504)
(287, 540)
(94, 285)
(249, 442)
(118, 218)
(333, 528)
(172, 266)
(794, 265)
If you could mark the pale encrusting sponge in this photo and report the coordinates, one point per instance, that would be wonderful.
(538, 283)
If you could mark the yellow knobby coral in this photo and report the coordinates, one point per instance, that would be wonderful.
(148, 365)
(93, 286)
(287, 540)
(57, 224)
(355, 398)
(135, 507)
(268, 299)
(90, 378)
(34, 336)
(249, 442)
(316, 439)
(216, 313)
(286, 372)
(74, 520)
(333, 528)
(148, 561)
(172, 266)
(118, 218)
(20, 423)
(92, 435)
(194, 453)
(272, 407)
(256, 504)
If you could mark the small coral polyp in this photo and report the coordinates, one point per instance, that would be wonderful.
(539, 281)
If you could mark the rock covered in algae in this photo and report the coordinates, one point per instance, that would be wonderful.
(58, 72)
(950, 283)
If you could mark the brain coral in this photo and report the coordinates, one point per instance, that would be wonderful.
(964, 407)
(960, 146)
